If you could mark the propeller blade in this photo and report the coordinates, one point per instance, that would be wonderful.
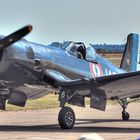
(12, 38)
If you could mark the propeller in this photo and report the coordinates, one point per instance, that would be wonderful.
(12, 38)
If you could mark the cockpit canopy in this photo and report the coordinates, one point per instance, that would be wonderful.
(79, 50)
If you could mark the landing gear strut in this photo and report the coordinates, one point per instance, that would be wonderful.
(66, 117)
(124, 104)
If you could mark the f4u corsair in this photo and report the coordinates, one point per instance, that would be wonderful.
(29, 71)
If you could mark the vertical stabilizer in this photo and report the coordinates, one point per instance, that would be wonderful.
(131, 56)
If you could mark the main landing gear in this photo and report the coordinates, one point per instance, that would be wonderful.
(124, 104)
(66, 117)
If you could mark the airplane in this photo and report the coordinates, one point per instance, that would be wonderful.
(74, 70)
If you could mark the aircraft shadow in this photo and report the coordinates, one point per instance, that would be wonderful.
(86, 121)
(84, 129)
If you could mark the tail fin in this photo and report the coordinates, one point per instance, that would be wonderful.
(131, 56)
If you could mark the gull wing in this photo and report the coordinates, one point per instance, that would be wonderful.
(114, 86)
(99, 89)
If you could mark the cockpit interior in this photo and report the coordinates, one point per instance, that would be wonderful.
(79, 50)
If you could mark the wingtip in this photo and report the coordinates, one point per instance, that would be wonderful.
(30, 27)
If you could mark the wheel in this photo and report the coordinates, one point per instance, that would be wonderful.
(2, 103)
(66, 118)
(125, 116)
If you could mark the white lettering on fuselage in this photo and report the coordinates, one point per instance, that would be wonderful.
(109, 72)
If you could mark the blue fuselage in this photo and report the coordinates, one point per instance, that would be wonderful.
(19, 63)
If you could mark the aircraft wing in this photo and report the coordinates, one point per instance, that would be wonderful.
(120, 86)
(116, 86)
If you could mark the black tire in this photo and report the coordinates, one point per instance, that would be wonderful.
(66, 118)
(2, 103)
(125, 116)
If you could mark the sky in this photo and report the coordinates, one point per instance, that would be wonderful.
(90, 21)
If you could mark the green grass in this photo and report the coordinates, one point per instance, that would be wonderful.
(116, 59)
(50, 101)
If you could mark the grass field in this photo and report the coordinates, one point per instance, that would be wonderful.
(114, 58)
(51, 100)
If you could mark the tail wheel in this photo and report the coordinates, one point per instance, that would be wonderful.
(125, 115)
(66, 118)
